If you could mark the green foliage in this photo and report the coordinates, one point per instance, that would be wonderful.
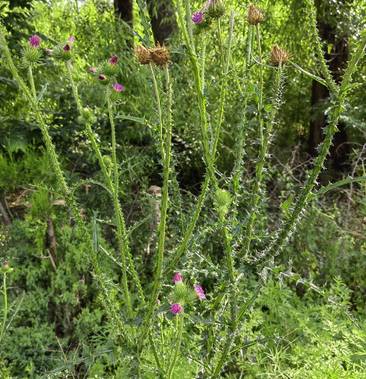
(191, 168)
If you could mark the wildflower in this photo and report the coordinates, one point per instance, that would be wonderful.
(92, 70)
(118, 87)
(34, 41)
(102, 77)
(71, 39)
(67, 48)
(255, 15)
(177, 278)
(113, 60)
(143, 54)
(176, 308)
(279, 56)
(160, 55)
(199, 291)
(197, 17)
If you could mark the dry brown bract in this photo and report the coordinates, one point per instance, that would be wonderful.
(279, 56)
(143, 54)
(160, 55)
(255, 15)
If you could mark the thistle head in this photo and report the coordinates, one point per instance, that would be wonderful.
(34, 41)
(117, 87)
(197, 17)
(71, 39)
(102, 78)
(215, 8)
(143, 55)
(160, 55)
(199, 291)
(92, 70)
(255, 15)
(177, 278)
(113, 60)
(67, 48)
(176, 308)
(279, 56)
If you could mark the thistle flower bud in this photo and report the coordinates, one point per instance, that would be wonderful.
(176, 308)
(255, 15)
(199, 291)
(34, 41)
(102, 79)
(279, 56)
(117, 87)
(160, 55)
(197, 17)
(113, 60)
(215, 8)
(177, 278)
(143, 55)
(6, 265)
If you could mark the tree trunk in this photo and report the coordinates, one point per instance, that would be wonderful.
(124, 10)
(337, 59)
(163, 22)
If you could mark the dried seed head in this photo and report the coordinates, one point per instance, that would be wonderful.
(143, 55)
(255, 15)
(160, 55)
(279, 56)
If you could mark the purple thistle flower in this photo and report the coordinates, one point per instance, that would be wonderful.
(199, 291)
(93, 70)
(71, 39)
(102, 77)
(197, 17)
(34, 41)
(118, 87)
(176, 308)
(177, 278)
(113, 60)
(67, 47)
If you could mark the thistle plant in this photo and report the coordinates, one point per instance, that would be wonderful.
(164, 312)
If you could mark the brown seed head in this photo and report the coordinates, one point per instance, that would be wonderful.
(6, 265)
(160, 55)
(255, 15)
(143, 55)
(279, 56)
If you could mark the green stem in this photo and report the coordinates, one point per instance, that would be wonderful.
(259, 170)
(289, 226)
(122, 238)
(177, 344)
(113, 139)
(164, 213)
(158, 104)
(5, 308)
(223, 90)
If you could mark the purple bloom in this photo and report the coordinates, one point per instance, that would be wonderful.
(34, 41)
(176, 308)
(93, 70)
(113, 60)
(118, 87)
(67, 47)
(71, 39)
(102, 77)
(199, 291)
(197, 17)
(177, 278)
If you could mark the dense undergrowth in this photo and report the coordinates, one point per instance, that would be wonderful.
(123, 168)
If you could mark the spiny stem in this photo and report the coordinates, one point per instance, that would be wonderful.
(164, 213)
(122, 238)
(5, 307)
(289, 226)
(177, 344)
(259, 169)
(113, 139)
